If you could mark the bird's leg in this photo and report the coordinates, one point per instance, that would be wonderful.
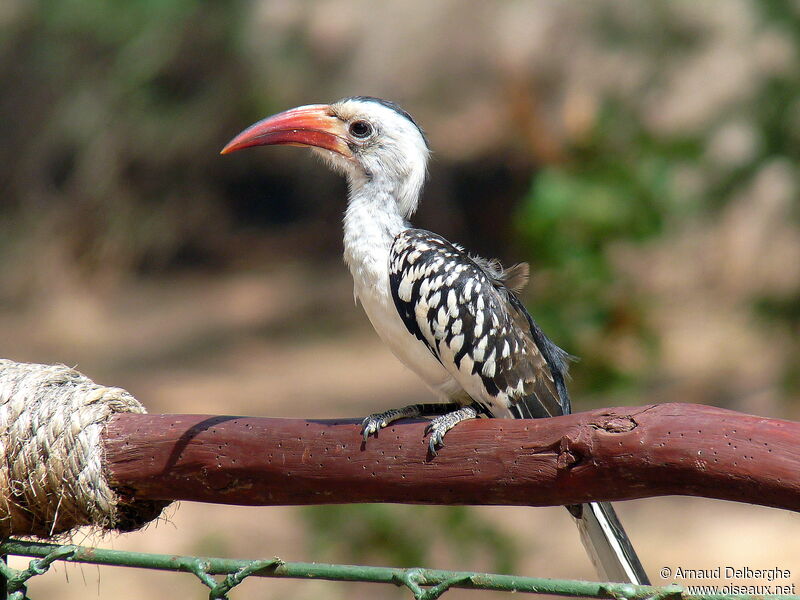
(375, 422)
(439, 426)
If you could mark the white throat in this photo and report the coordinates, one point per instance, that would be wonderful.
(371, 223)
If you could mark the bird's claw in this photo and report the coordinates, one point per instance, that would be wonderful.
(437, 430)
(377, 421)
(372, 424)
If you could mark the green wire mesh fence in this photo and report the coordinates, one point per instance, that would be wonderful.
(425, 584)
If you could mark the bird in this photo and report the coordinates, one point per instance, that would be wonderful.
(453, 318)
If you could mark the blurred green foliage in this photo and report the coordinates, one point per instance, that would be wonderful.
(617, 187)
(621, 186)
(111, 105)
(405, 536)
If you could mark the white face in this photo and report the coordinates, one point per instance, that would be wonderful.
(373, 142)
(379, 136)
(386, 147)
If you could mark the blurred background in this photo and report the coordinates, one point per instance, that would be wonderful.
(643, 157)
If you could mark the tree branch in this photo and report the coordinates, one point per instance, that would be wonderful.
(605, 454)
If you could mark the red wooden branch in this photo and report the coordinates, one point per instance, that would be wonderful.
(605, 454)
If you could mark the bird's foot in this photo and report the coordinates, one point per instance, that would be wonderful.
(375, 422)
(439, 426)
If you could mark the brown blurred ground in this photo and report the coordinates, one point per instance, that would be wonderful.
(202, 284)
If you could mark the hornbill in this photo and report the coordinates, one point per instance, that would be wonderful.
(454, 319)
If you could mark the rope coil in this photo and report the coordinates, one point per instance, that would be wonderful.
(51, 456)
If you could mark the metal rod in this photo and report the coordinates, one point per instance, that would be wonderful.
(409, 577)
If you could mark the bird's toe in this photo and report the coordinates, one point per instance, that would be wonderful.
(437, 431)
(372, 424)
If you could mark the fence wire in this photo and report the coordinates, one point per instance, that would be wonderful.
(221, 575)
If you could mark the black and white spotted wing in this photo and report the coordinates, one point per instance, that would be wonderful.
(459, 307)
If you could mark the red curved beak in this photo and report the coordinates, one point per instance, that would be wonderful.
(312, 125)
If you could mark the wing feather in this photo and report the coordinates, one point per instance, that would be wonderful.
(461, 308)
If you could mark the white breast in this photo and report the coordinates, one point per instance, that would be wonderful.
(368, 236)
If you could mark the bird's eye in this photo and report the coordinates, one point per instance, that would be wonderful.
(360, 129)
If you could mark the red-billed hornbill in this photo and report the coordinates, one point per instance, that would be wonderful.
(452, 318)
